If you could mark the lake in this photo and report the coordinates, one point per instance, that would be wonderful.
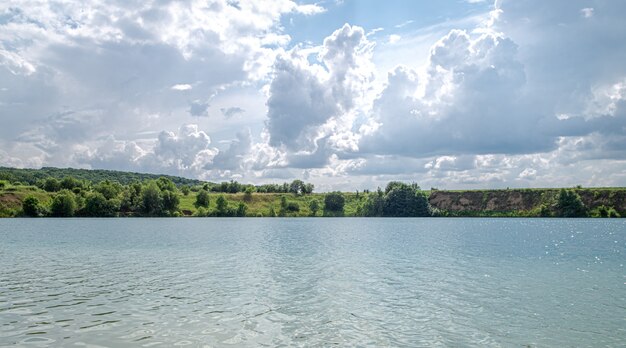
(313, 282)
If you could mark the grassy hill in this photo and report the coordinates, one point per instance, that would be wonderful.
(31, 176)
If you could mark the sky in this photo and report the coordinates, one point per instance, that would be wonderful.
(345, 94)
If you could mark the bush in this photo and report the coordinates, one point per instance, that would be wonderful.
(185, 190)
(403, 200)
(52, 185)
(31, 207)
(202, 199)
(241, 209)
(247, 196)
(314, 207)
(151, 200)
(96, 205)
(333, 204)
(63, 204)
(569, 204)
(170, 201)
(293, 207)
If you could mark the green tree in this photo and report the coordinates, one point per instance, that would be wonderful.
(151, 200)
(221, 208)
(96, 205)
(63, 204)
(314, 207)
(307, 189)
(374, 204)
(108, 189)
(333, 204)
(202, 199)
(69, 183)
(51, 185)
(247, 195)
(170, 201)
(185, 190)
(31, 207)
(166, 184)
(241, 209)
(404, 200)
(569, 204)
(296, 187)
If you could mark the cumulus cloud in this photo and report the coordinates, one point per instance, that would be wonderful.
(310, 105)
(184, 152)
(232, 158)
(520, 96)
(135, 66)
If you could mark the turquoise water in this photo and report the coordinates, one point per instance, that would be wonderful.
(313, 282)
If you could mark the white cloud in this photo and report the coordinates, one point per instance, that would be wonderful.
(181, 87)
(394, 38)
(587, 12)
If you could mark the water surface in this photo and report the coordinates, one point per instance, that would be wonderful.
(312, 282)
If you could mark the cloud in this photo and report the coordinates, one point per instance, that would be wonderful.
(198, 108)
(232, 111)
(307, 102)
(587, 12)
(184, 152)
(232, 158)
(181, 87)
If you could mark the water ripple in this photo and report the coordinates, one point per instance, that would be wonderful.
(312, 282)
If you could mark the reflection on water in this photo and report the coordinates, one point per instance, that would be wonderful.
(312, 282)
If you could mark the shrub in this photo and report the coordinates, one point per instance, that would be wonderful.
(333, 204)
(569, 204)
(97, 205)
(31, 207)
(63, 204)
(202, 199)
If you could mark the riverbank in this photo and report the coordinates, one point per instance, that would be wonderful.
(475, 203)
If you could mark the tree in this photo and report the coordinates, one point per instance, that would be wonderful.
(314, 206)
(166, 184)
(97, 205)
(374, 204)
(569, 204)
(151, 200)
(241, 209)
(296, 186)
(221, 208)
(403, 200)
(247, 195)
(333, 204)
(307, 189)
(108, 189)
(63, 204)
(31, 207)
(202, 199)
(170, 201)
(185, 190)
(69, 183)
(51, 185)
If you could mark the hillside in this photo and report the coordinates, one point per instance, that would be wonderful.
(520, 202)
(30, 176)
